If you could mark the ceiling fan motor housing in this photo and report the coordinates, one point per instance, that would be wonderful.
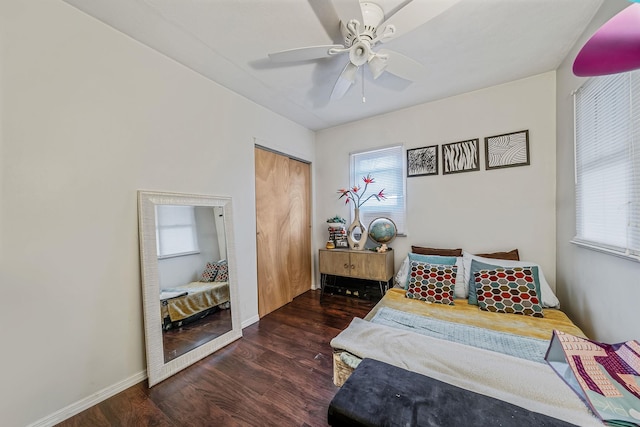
(372, 15)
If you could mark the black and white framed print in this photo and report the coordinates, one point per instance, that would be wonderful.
(422, 161)
(463, 156)
(507, 150)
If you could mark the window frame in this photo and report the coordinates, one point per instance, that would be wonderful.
(628, 157)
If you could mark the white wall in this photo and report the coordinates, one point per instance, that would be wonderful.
(599, 291)
(89, 117)
(477, 211)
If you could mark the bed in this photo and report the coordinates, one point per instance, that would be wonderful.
(496, 354)
(185, 303)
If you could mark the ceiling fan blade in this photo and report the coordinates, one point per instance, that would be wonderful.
(304, 53)
(344, 82)
(348, 10)
(401, 65)
(414, 15)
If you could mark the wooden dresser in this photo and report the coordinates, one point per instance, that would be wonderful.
(363, 264)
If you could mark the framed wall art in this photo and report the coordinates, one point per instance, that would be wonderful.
(463, 156)
(507, 150)
(422, 161)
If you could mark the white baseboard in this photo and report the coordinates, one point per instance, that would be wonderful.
(250, 321)
(104, 394)
(89, 401)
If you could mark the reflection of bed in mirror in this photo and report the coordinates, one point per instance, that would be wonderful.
(188, 303)
(193, 314)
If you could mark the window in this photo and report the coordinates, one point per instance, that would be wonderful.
(607, 122)
(386, 166)
(176, 232)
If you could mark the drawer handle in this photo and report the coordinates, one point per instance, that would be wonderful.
(346, 266)
(353, 266)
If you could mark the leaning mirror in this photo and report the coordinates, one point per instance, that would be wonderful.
(189, 287)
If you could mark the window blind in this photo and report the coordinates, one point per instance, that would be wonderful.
(386, 166)
(176, 232)
(607, 122)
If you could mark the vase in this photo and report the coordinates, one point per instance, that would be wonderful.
(356, 233)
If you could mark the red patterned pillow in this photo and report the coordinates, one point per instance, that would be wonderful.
(508, 290)
(431, 282)
(210, 272)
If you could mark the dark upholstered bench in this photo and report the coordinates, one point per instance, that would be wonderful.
(379, 394)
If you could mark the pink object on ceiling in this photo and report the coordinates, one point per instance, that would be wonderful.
(614, 48)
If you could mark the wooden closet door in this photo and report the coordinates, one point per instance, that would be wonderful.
(300, 227)
(272, 239)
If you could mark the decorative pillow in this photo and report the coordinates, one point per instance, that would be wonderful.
(477, 266)
(433, 259)
(508, 290)
(546, 295)
(431, 282)
(511, 255)
(461, 290)
(430, 259)
(434, 251)
(400, 279)
(210, 272)
(223, 272)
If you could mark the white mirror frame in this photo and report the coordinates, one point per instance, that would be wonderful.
(157, 369)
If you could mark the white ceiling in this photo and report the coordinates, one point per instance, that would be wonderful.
(472, 45)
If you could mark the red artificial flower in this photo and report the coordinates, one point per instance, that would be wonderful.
(352, 194)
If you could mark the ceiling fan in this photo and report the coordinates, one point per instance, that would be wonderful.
(363, 27)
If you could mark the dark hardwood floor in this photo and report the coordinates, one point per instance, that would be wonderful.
(278, 374)
(178, 341)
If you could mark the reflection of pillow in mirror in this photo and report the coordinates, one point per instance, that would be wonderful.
(223, 272)
(210, 272)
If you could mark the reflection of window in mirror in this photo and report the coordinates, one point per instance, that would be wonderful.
(176, 232)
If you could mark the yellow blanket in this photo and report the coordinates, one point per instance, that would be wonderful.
(201, 296)
(465, 313)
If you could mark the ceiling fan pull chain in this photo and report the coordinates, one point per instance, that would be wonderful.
(363, 98)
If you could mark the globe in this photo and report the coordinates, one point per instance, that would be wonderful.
(382, 230)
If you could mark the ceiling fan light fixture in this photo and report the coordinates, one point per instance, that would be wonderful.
(360, 53)
(377, 65)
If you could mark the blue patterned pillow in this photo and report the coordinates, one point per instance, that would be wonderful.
(508, 290)
(477, 266)
(431, 282)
